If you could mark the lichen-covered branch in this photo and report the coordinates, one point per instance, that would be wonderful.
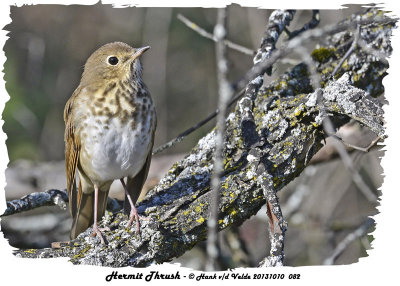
(35, 200)
(288, 124)
(277, 23)
(52, 197)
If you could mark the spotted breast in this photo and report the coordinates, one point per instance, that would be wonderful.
(115, 133)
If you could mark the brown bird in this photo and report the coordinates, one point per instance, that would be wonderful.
(110, 122)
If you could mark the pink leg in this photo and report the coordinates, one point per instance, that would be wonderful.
(134, 212)
(96, 229)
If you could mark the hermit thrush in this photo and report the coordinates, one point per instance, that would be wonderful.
(110, 122)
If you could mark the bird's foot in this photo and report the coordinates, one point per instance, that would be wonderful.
(135, 215)
(99, 231)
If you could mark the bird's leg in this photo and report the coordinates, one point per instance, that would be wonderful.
(134, 213)
(96, 229)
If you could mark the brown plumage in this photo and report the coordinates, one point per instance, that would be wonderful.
(110, 122)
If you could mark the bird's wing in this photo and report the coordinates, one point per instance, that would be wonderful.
(72, 150)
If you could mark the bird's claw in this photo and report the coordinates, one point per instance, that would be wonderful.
(99, 231)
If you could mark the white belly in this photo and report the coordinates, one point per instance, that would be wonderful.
(116, 152)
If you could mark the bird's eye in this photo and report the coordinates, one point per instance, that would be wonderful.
(112, 60)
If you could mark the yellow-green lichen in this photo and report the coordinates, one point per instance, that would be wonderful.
(282, 84)
(82, 252)
(200, 220)
(225, 184)
(298, 110)
(257, 198)
(30, 251)
(356, 77)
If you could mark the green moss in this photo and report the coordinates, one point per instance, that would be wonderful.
(323, 54)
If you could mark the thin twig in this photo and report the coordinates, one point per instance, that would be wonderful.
(300, 193)
(188, 131)
(38, 199)
(212, 37)
(348, 163)
(225, 93)
(314, 76)
(52, 197)
(359, 232)
(310, 25)
(355, 147)
(349, 51)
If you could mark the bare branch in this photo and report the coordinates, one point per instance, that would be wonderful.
(50, 197)
(348, 163)
(362, 149)
(39, 199)
(310, 25)
(225, 93)
(359, 232)
(349, 51)
(188, 131)
(314, 76)
(212, 37)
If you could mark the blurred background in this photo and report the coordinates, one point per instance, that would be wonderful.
(46, 51)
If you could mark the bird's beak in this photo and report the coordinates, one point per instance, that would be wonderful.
(140, 51)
